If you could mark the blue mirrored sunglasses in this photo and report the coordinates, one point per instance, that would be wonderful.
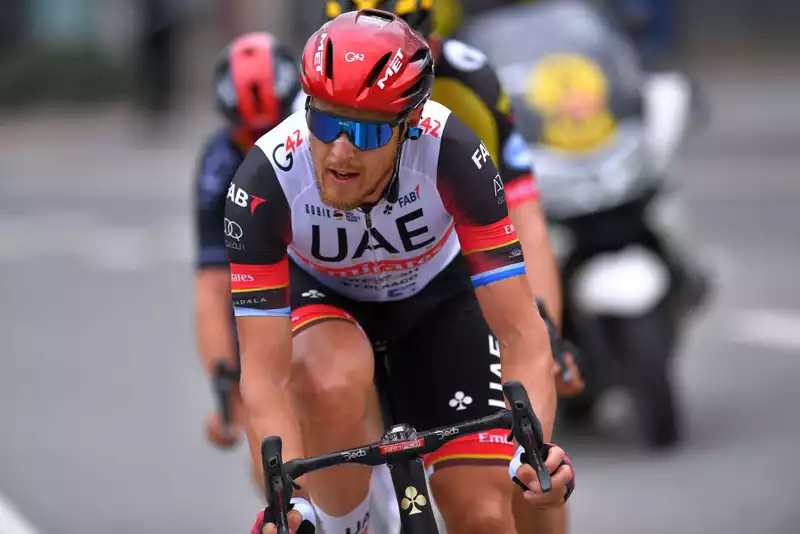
(365, 135)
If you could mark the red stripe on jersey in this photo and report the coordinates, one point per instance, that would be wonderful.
(305, 315)
(259, 277)
(489, 447)
(482, 238)
(521, 190)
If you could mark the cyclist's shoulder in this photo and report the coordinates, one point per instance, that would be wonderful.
(468, 84)
(465, 63)
(220, 148)
(218, 161)
(445, 139)
(422, 153)
(292, 132)
(279, 158)
(442, 124)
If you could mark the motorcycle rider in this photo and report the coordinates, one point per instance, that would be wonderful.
(255, 80)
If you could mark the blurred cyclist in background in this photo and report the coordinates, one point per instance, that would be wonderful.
(468, 85)
(255, 81)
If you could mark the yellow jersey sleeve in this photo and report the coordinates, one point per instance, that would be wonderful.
(468, 85)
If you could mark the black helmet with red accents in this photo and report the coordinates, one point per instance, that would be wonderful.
(255, 81)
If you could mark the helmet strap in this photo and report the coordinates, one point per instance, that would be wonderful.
(393, 189)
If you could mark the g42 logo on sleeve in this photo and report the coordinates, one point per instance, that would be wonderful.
(292, 142)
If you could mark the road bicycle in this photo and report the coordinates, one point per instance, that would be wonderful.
(401, 448)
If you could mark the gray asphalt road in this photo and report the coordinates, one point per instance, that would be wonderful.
(102, 398)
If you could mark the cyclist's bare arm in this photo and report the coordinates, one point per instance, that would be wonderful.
(213, 324)
(213, 327)
(473, 192)
(494, 124)
(542, 270)
(258, 230)
(510, 311)
(266, 348)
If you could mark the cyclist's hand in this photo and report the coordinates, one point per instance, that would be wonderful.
(226, 436)
(575, 385)
(294, 523)
(561, 475)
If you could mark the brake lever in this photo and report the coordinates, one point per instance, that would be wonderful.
(224, 380)
(278, 487)
(556, 343)
(527, 430)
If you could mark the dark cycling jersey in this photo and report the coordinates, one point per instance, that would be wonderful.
(468, 85)
(448, 198)
(218, 163)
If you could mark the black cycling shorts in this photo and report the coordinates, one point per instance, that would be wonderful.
(437, 362)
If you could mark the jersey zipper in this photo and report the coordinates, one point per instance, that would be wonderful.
(375, 275)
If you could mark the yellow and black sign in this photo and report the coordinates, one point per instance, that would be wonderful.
(570, 92)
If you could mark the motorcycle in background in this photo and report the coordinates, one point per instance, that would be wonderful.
(602, 135)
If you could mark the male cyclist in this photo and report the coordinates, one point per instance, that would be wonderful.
(255, 81)
(379, 218)
(468, 85)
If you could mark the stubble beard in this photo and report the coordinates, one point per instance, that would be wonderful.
(346, 204)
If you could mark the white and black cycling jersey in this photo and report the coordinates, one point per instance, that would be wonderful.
(448, 199)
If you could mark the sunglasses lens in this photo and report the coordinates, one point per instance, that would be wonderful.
(364, 135)
(369, 136)
(322, 126)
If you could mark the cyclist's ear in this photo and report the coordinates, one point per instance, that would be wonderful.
(412, 130)
(414, 117)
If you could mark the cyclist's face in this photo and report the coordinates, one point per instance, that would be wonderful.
(349, 177)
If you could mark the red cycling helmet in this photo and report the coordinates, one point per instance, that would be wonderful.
(370, 60)
(256, 82)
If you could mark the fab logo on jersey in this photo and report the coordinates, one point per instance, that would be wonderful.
(242, 198)
(409, 198)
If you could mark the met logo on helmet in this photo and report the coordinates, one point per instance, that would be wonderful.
(410, 198)
(392, 69)
(318, 55)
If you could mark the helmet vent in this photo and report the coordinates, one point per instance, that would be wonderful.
(414, 89)
(419, 55)
(388, 17)
(376, 70)
(329, 60)
(423, 84)
(255, 90)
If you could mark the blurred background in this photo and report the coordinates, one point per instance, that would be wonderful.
(104, 106)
